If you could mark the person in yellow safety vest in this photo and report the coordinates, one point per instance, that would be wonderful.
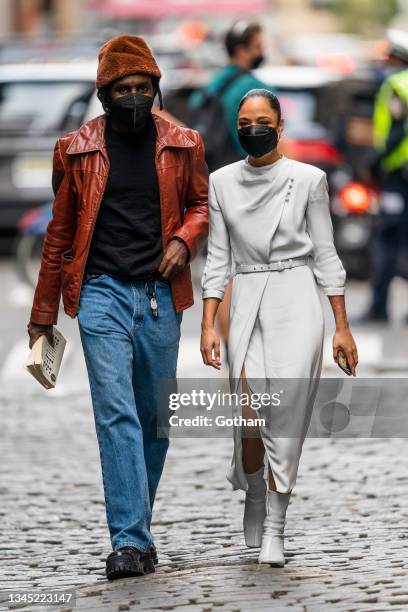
(390, 121)
(390, 104)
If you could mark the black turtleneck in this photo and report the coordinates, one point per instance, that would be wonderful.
(127, 239)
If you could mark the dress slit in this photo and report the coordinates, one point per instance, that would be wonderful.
(268, 463)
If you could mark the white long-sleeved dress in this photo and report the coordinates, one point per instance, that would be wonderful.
(260, 215)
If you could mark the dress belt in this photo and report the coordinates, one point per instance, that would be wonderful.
(282, 264)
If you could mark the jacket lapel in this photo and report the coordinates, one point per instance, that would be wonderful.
(169, 135)
(89, 137)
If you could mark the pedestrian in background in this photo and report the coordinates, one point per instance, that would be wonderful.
(245, 47)
(130, 213)
(390, 174)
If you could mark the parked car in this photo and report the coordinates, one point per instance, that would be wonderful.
(38, 103)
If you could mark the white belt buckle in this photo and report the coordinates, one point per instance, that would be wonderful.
(280, 266)
(290, 263)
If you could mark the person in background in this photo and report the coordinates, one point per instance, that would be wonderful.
(244, 43)
(130, 213)
(390, 172)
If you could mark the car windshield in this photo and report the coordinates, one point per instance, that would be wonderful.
(39, 106)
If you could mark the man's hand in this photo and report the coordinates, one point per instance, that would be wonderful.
(35, 331)
(174, 259)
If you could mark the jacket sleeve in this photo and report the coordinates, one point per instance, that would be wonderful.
(217, 268)
(194, 230)
(58, 238)
(327, 266)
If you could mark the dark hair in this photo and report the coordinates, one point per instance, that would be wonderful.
(104, 94)
(241, 33)
(263, 93)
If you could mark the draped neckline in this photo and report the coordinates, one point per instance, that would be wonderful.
(255, 173)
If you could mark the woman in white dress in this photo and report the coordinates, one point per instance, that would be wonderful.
(270, 217)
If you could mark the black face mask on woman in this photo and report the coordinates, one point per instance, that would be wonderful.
(258, 140)
(132, 109)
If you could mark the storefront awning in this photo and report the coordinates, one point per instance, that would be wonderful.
(167, 8)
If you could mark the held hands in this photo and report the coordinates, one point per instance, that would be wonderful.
(344, 340)
(210, 343)
(174, 259)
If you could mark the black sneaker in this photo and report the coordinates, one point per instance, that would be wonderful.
(126, 562)
(149, 559)
(152, 552)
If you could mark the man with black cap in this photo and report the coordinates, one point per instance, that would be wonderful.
(130, 213)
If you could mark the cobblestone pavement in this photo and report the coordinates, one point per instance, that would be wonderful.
(346, 536)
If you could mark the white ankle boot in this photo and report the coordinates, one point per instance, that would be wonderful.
(273, 528)
(255, 509)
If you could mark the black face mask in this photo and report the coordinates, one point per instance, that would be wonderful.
(257, 140)
(131, 110)
(257, 61)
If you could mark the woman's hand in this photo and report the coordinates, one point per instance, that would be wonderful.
(344, 340)
(210, 342)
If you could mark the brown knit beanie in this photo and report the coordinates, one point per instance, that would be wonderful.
(124, 55)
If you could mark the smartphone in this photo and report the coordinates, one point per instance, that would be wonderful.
(343, 363)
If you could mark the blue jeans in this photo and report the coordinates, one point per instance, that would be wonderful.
(127, 351)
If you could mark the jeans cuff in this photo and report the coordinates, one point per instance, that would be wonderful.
(133, 545)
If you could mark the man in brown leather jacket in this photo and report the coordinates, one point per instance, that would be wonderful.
(130, 213)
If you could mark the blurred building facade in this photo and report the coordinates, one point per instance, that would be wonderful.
(32, 17)
(35, 17)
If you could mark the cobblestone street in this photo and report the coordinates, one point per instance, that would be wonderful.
(153, 154)
(346, 536)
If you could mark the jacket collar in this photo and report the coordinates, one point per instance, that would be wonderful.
(91, 136)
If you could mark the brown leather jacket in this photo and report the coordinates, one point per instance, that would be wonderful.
(80, 172)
